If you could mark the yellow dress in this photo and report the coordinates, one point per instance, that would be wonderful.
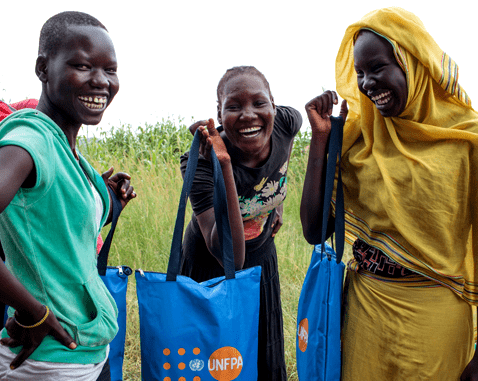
(419, 210)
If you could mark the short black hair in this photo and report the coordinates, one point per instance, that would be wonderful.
(56, 27)
(239, 70)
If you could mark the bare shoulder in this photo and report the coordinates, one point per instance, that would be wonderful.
(16, 170)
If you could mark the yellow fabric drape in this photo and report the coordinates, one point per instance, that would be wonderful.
(398, 331)
(410, 181)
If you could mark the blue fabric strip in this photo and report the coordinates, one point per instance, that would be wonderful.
(220, 212)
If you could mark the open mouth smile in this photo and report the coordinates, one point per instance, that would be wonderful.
(382, 98)
(250, 132)
(94, 102)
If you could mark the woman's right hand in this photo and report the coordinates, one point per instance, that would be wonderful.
(31, 338)
(210, 138)
(320, 109)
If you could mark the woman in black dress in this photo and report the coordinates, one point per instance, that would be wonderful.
(254, 145)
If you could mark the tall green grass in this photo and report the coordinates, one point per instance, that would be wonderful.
(150, 154)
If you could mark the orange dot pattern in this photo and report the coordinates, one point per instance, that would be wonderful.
(181, 365)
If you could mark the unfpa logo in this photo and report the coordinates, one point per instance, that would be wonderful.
(225, 364)
(303, 334)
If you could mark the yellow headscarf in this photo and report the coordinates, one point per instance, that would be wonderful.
(410, 182)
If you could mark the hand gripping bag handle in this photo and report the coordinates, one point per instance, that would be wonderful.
(333, 161)
(220, 212)
(105, 249)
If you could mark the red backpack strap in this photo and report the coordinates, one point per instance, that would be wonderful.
(27, 103)
(5, 110)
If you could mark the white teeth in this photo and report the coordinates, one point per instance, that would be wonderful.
(93, 106)
(96, 103)
(377, 97)
(382, 101)
(91, 99)
(248, 130)
(100, 100)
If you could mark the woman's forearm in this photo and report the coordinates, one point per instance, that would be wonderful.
(235, 217)
(311, 207)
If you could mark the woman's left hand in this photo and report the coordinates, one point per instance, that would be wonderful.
(471, 371)
(210, 138)
(120, 183)
(277, 223)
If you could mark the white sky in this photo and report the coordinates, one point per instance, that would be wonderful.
(172, 53)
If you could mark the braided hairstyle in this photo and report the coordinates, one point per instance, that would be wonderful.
(56, 27)
(239, 70)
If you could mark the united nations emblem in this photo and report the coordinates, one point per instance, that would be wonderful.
(196, 365)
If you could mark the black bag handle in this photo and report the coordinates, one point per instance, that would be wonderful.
(220, 212)
(333, 162)
(105, 249)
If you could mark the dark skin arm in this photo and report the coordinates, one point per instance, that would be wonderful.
(16, 169)
(207, 220)
(318, 111)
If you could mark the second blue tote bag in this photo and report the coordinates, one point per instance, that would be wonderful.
(116, 281)
(319, 313)
(199, 331)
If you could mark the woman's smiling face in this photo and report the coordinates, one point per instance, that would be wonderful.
(379, 76)
(81, 79)
(247, 112)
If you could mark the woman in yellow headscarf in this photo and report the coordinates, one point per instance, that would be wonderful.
(410, 159)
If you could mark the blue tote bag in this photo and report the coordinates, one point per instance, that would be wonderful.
(5, 315)
(319, 313)
(116, 281)
(199, 331)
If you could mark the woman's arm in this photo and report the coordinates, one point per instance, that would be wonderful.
(207, 220)
(17, 168)
(318, 110)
